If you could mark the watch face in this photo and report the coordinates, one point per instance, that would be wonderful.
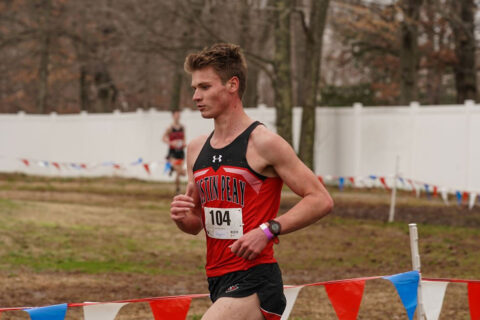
(274, 227)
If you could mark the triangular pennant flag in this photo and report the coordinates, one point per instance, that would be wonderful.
(168, 167)
(171, 309)
(427, 190)
(55, 312)
(43, 164)
(444, 194)
(433, 293)
(474, 300)
(56, 165)
(407, 288)
(291, 294)
(384, 183)
(139, 161)
(346, 298)
(102, 311)
(459, 196)
(352, 181)
(341, 183)
(472, 200)
(418, 192)
(147, 167)
(435, 191)
(25, 162)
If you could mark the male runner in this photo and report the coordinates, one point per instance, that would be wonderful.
(174, 136)
(235, 179)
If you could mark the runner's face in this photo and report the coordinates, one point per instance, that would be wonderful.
(211, 95)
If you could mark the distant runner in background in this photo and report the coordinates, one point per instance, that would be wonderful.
(174, 136)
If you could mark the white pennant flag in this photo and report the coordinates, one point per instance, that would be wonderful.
(471, 202)
(291, 295)
(102, 311)
(444, 194)
(432, 295)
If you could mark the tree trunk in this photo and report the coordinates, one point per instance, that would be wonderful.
(282, 82)
(43, 72)
(176, 89)
(83, 88)
(106, 89)
(409, 50)
(463, 27)
(313, 57)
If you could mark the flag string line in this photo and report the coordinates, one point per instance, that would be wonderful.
(203, 295)
(408, 183)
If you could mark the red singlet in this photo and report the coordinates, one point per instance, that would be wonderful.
(235, 199)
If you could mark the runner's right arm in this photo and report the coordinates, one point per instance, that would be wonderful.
(185, 209)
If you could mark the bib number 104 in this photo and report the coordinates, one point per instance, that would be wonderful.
(219, 218)
(223, 223)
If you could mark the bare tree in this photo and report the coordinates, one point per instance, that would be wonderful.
(314, 27)
(409, 55)
(462, 21)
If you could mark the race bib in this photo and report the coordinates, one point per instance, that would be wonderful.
(223, 223)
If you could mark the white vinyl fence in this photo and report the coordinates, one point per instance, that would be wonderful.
(437, 144)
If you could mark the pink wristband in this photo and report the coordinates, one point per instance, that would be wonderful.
(267, 231)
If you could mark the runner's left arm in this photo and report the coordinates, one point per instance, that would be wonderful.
(315, 203)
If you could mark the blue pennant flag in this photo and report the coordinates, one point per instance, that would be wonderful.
(139, 161)
(459, 197)
(168, 167)
(55, 312)
(427, 190)
(341, 183)
(373, 177)
(407, 288)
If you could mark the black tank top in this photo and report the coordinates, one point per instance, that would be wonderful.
(233, 155)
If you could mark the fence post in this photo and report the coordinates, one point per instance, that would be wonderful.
(416, 266)
(414, 108)
(469, 104)
(391, 214)
(357, 116)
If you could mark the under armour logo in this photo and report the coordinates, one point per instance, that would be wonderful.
(215, 158)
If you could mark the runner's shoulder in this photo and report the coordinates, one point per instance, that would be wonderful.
(196, 144)
(263, 139)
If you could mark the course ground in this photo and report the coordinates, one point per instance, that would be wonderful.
(75, 240)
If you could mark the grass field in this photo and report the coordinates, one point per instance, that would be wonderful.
(75, 240)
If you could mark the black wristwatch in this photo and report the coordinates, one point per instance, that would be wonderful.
(274, 227)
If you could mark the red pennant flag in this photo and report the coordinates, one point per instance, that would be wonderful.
(414, 190)
(346, 298)
(56, 165)
(26, 162)
(147, 167)
(116, 166)
(83, 166)
(382, 180)
(465, 196)
(474, 300)
(352, 180)
(435, 191)
(171, 309)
